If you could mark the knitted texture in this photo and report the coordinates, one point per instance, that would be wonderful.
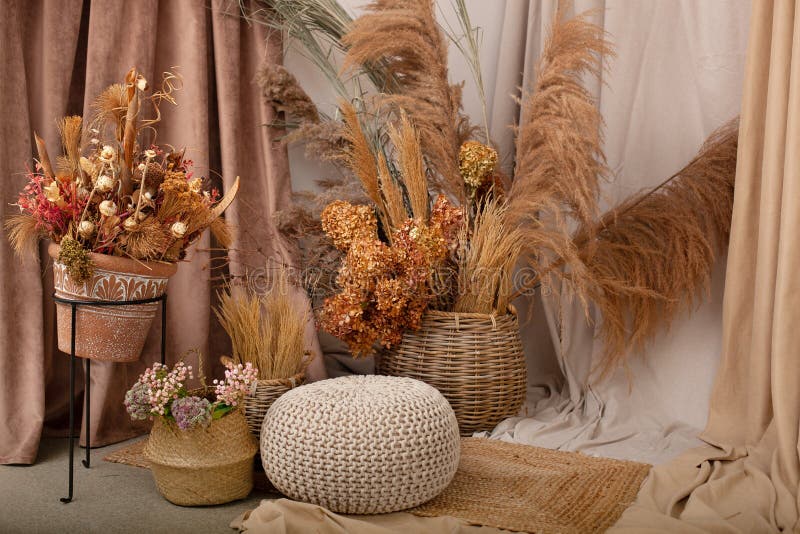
(361, 444)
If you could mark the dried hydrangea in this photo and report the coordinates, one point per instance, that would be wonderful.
(191, 412)
(346, 223)
(476, 162)
(384, 289)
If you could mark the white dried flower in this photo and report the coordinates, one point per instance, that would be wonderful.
(148, 195)
(86, 228)
(150, 153)
(108, 153)
(130, 223)
(142, 215)
(142, 167)
(108, 208)
(104, 183)
(178, 229)
(94, 131)
(95, 141)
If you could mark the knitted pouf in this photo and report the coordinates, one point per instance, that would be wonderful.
(361, 444)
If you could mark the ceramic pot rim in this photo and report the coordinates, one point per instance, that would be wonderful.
(120, 264)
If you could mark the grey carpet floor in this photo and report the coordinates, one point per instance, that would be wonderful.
(108, 498)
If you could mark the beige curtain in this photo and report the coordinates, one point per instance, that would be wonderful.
(56, 57)
(746, 480)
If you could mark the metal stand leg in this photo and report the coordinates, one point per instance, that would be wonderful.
(87, 419)
(164, 329)
(71, 406)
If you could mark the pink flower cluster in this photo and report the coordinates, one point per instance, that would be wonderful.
(238, 380)
(163, 386)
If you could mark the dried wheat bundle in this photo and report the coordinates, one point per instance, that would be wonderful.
(267, 331)
(416, 56)
(487, 259)
(560, 161)
(651, 256)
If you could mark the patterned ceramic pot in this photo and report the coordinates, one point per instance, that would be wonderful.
(111, 333)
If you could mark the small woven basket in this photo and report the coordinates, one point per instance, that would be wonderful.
(475, 360)
(266, 392)
(202, 466)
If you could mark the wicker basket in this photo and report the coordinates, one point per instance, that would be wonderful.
(474, 359)
(267, 391)
(202, 466)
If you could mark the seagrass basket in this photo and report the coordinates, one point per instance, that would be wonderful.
(475, 360)
(202, 466)
(266, 392)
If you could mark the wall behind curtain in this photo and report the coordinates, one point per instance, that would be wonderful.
(677, 76)
(56, 57)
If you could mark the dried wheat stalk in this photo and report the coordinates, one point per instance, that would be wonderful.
(408, 147)
(486, 261)
(416, 56)
(651, 256)
(267, 331)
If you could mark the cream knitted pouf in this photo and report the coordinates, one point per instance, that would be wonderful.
(361, 444)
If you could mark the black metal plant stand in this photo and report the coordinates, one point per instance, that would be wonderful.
(74, 304)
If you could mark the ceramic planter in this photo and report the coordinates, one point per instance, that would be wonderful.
(111, 333)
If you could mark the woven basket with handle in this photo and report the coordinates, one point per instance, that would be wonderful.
(266, 392)
(475, 360)
(202, 466)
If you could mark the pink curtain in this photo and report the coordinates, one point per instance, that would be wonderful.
(56, 57)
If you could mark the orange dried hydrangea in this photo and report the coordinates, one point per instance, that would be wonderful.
(384, 289)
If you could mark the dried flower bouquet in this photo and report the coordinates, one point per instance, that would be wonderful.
(112, 192)
(408, 145)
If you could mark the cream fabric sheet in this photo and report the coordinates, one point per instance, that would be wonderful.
(747, 479)
(282, 516)
(677, 76)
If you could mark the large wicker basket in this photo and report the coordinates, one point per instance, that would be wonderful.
(202, 466)
(474, 359)
(266, 392)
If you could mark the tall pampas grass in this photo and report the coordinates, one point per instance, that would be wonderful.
(560, 161)
(651, 257)
(416, 56)
(267, 331)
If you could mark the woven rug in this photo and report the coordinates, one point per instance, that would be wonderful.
(530, 489)
(132, 454)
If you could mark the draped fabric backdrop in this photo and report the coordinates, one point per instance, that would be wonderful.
(56, 57)
(746, 479)
(677, 77)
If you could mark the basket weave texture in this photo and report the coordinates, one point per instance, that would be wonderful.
(257, 404)
(474, 359)
(361, 444)
(202, 466)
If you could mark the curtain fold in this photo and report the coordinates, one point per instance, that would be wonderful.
(747, 479)
(57, 57)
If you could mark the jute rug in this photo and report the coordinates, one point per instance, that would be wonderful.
(516, 487)
(133, 455)
(530, 489)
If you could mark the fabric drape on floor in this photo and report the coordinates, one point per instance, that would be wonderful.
(56, 57)
(746, 480)
(677, 77)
